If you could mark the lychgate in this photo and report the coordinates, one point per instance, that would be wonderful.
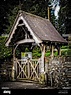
(29, 31)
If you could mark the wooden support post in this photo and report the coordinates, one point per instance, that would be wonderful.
(13, 69)
(14, 64)
(42, 58)
(52, 51)
(16, 69)
(13, 74)
(42, 64)
(59, 51)
(48, 13)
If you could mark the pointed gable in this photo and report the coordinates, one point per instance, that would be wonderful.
(40, 28)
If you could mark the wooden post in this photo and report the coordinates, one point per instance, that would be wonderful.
(59, 51)
(13, 67)
(48, 13)
(52, 51)
(42, 57)
(16, 69)
(28, 70)
(42, 64)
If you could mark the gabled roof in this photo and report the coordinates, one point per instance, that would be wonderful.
(40, 28)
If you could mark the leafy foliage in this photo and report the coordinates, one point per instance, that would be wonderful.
(64, 17)
(4, 51)
(36, 52)
(6, 6)
(10, 8)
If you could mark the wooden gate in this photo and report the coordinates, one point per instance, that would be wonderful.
(28, 69)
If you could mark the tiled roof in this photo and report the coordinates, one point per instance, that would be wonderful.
(41, 27)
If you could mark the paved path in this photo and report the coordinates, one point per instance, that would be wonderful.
(22, 85)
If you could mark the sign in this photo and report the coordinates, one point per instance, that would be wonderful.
(26, 55)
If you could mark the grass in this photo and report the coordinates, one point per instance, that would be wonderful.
(66, 50)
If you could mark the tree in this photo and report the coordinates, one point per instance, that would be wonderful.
(6, 6)
(64, 17)
(5, 52)
(52, 6)
(10, 8)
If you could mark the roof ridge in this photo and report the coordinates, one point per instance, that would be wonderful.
(33, 15)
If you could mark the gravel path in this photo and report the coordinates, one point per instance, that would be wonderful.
(22, 85)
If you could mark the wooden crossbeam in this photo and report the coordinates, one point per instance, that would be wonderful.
(21, 24)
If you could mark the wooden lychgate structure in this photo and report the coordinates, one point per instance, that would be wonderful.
(29, 31)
